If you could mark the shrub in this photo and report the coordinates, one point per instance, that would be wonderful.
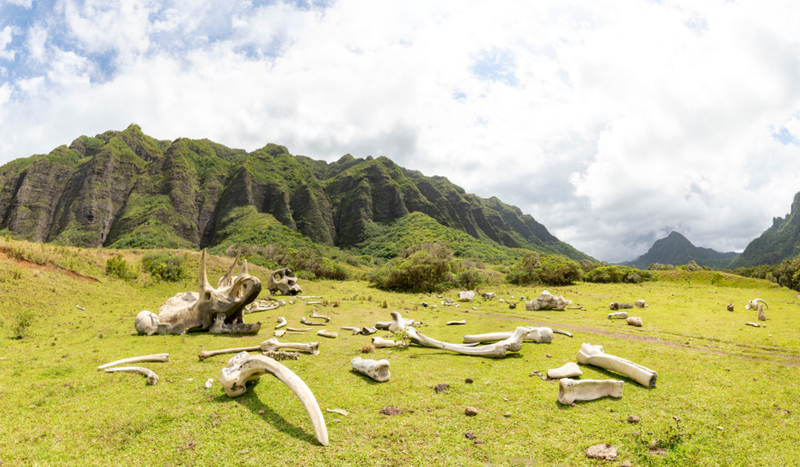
(420, 268)
(163, 265)
(549, 270)
(469, 279)
(588, 265)
(118, 267)
(692, 266)
(617, 274)
(525, 272)
(716, 279)
(22, 322)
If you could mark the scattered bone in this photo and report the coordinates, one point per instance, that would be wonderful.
(601, 451)
(375, 369)
(640, 304)
(148, 323)
(257, 307)
(341, 412)
(80, 307)
(755, 325)
(761, 315)
(538, 335)
(618, 315)
(501, 301)
(570, 390)
(730, 306)
(634, 321)
(281, 322)
(307, 297)
(634, 419)
(560, 331)
(547, 301)
(315, 315)
(351, 328)
(243, 367)
(160, 357)
(753, 304)
(280, 333)
(330, 334)
(298, 329)
(594, 355)
(497, 350)
(466, 296)
(281, 355)
(570, 370)
(209, 383)
(368, 331)
(273, 345)
(450, 323)
(380, 343)
(285, 281)
(309, 323)
(313, 303)
(448, 302)
(220, 326)
(619, 306)
(488, 295)
(384, 325)
(152, 378)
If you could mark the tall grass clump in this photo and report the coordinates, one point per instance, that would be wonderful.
(22, 322)
(118, 267)
(548, 270)
(166, 266)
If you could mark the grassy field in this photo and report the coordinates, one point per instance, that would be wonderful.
(727, 394)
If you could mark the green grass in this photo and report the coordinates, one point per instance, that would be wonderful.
(728, 375)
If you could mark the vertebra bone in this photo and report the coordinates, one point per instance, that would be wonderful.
(594, 355)
(375, 369)
(570, 390)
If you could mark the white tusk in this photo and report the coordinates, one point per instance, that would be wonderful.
(160, 357)
(570, 390)
(243, 367)
(594, 355)
(375, 369)
(152, 378)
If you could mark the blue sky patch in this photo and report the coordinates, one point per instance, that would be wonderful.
(496, 65)
(784, 137)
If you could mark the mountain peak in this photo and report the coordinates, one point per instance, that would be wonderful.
(676, 249)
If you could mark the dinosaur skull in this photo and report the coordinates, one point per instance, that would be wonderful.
(285, 281)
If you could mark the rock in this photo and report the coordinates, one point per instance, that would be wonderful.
(549, 356)
(601, 451)
(470, 435)
(425, 304)
(477, 441)
(634, 419)
(730, 306)
(471, 411)
(469, 380)
(626, 464)
(440, 388)
(507, 414)
(391, 410)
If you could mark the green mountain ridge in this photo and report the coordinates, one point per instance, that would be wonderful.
(125, 189)
(676, 249)
(777, 243)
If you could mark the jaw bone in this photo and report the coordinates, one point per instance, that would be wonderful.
(570, 390)
(594, 355)
(243, 367)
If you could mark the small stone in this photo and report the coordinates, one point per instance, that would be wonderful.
(634, 419)
(471, 411)
(477, 441)
(601, 451)
(549, 356)
(469, 380)
(626, 464)
(440, 388)
(719, 428)
(544, 377)
(507, 414)
(505, 399)
(676, 418)
(244, 451)
(470, 435)
(261, 412)
(391, 410)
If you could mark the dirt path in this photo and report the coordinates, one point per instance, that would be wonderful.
(27, 264)
(641, 339)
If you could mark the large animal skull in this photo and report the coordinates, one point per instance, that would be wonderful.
(285, 281)
(199, 311)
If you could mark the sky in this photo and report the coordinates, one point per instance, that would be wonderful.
(612, 122)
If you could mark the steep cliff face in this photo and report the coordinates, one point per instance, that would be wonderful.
(125, 189)
(777, 243)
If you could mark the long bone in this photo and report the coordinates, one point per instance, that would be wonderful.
(159, 357)
(399, 325)
(271, 345)
(315, 315)
(244, 367)
(331, 334)
(152, 378)
(379, 343)
(538, 335)
(594, 355)
(497, 350)
(375, 369)
(281, 322)
(570, 390)
(753, 304)
(309, 323)
(618, 315)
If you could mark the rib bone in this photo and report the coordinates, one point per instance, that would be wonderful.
(243, 367)
(538, 335)
(375, 369)
(594, 355)
(152, 378)
(497, 350)
(570, 390)
(281, 322)
(309, 323)
(160, 357)
(380, 343)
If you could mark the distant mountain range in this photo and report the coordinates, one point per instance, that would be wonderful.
(676, 249)
(124, 189)
(777, 243)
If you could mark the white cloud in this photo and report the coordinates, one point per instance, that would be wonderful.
(6, 35)
(23, 3)
(610, 122)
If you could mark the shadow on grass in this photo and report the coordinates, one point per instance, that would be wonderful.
(364, 377)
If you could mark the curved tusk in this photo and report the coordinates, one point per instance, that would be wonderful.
(281, 322)
(160, 357)
(309, 323)
(244, 271)
(152, 378)
(226, 279)
(243, 367)
(204, 285)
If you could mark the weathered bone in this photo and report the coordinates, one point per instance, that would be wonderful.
(570, 390)
(467, 296)
(309, 323)
(761, 315)
(497, 350)
(146, 322)
(753, 304)
(368, 330)
(204, 354)
(488, 295)
(594, 355)
(221, 327)
(201, 311)
(315, 315)
(285, 281)
(619, 306)
(152, 378)
(375, 369)
(281, 322)
(755, 325)
(561, 331)
(351, 328)
(634, 321)
(243, 367)
(297, 329)
(159, 357)
(341, 412)
(570, 370)
(384, 325)
(273, 345)
(538, 335)
(618, 315)
(463, 321)
(547, 301)
(380, 342)
(331, 334)
(640, 304)
(257, 307)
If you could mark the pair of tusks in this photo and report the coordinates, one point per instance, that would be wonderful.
(375, 369)
(244, 367)
(271, 345)
(594, 355)
(538, 335)
(152, 378)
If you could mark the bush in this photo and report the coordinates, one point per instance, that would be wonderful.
(716, 279)
(526, 271)
(692, 266)
(588, 265)
(165, 266)
(617, 274)
(22, 322)
(117, 266)
(470, 279)
(420, 268)
(548, 270)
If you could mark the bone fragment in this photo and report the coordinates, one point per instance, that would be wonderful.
(538, 335)
(619, 306)
(383, 325)
(330, 334)
(279, 333)
(209, 383)
(272, 345)
(281, 322)
(256, 307)
(570, 390)
(640, 304)
(547, 301)
(380, 342)
(488, 295)
(309, 323)
(753, 304)
(618, 315)
(146, 322)
(160, 357)
(761, 315)
(368, 331)
(570, 370)
(313, 303)
(339, 411)
(594, 355)
(755, 325)
(375, 369)
(450, 323)
(634, 321)
(467, 296)
(306, 297)
(80, 307)
(298, 329)
(210, 353)
(281, 355)
(243, 367)
(315, 315)
(560, 331)
(152, 378)
(497, 350)
(351, 328)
